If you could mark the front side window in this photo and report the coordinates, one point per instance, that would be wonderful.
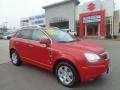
(26, 34)
(37, 35)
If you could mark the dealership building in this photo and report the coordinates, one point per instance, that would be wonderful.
(91, 19)
(33, 20)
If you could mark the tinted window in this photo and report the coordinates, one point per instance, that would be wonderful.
(25, 34)
(37, 35)
(18, 34)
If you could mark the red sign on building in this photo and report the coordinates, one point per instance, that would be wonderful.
(91, 6)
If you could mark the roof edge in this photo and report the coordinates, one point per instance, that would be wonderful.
(61, 2)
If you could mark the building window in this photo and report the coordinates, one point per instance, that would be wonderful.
(38, 17)
(108, 25)
(39, 22)
(119, 27)
(32, 18)
(25, 21)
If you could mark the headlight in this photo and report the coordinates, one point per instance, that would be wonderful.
(91, 57)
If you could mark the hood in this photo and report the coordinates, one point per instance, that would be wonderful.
(86, 46)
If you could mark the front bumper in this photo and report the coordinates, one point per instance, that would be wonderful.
(93, 71)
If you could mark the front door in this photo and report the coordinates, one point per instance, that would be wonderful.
(92, 29)
(39, 53)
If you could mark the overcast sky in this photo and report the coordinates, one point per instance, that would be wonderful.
(12, 11)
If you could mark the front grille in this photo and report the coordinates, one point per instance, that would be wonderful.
(105, 55)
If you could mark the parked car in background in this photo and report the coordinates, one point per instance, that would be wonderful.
(1, 35)
(73, 33)
(7, 35)
(71, 59)
(69, 31)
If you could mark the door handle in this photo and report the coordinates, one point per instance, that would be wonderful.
(31, 46)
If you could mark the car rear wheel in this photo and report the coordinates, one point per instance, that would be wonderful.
(66, 74)
(15, 58)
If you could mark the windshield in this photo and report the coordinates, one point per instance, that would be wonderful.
(61, 36)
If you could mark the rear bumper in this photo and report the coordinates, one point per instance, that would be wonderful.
(91, 72)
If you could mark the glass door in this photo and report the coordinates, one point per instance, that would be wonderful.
(92, 29)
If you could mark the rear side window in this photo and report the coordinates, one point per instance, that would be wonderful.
(25, 34)
(37, 35)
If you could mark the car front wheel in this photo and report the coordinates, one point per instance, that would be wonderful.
(66, 74)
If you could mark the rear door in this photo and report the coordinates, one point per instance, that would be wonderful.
(22, 43)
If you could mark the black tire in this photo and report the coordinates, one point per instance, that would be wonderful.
(18, 61)
(74, 73)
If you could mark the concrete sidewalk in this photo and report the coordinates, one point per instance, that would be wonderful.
(4, 51)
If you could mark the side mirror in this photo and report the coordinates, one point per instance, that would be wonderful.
(45, 41)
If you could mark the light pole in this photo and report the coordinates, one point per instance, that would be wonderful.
(5, 26)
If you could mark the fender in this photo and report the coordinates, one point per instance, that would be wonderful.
(68, 58)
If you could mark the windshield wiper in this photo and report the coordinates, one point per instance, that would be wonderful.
(74, 40)
(69, 41)
(63, 41)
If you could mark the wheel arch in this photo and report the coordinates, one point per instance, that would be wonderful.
(12, 49)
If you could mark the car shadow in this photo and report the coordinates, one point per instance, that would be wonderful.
(41, 70)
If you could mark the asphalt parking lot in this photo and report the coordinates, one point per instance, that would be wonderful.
(28, 77)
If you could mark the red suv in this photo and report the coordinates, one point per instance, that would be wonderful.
(69, 58)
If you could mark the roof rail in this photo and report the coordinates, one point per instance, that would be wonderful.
(31, 26)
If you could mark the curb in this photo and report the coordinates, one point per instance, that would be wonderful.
(4, 63)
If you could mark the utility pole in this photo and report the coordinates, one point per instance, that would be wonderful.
(5, 26)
